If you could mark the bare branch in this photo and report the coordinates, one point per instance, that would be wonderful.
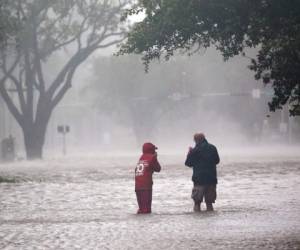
(62, 74)
(62, 91)
(37, 59)
(10, 105)
(21, 75)
(76, 37)
(55, 21)
(81, 31)
(29, 85)
(106, 23)
(4, 63)
(102, 46)
(19, 89)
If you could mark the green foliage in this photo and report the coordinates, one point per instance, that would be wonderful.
(272, 26)
(7, 180)
(8, 24)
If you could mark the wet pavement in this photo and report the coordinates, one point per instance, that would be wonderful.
(90, 204)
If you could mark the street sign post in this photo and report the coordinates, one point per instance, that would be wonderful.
(64, 130)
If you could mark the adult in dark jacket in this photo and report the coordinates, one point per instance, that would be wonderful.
(203, 158)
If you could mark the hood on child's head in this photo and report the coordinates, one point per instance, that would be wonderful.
(149, 148)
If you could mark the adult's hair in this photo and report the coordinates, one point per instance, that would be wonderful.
(199, 137)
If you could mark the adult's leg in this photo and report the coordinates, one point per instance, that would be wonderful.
(210, 197)
(197, 196)
(197, 206)
(209, 207)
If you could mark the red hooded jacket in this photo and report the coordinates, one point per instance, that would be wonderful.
(146, 166)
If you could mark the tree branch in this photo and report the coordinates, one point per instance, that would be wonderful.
(29, 84)
(37, 59)
(62, 91)
(62, 74)
(10, 105)
(102, 46)
(19, 90)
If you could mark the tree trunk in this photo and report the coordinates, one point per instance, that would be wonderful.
(34, 135)
(33, 145)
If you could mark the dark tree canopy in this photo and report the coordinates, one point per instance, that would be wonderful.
(8, 23)
(270, 26)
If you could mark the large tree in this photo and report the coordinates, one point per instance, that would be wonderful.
(79, 27)
(271, 26)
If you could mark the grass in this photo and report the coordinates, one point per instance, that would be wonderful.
(7, 180)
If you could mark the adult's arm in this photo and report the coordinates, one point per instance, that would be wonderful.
(190, 159)
(217, 157)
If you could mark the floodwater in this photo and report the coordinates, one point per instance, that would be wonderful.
(79, 203)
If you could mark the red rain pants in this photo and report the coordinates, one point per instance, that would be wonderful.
(144, 199)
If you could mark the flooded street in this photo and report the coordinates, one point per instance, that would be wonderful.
(97, 96)
(90, 204)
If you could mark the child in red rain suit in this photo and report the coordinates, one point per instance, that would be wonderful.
(143, 177)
